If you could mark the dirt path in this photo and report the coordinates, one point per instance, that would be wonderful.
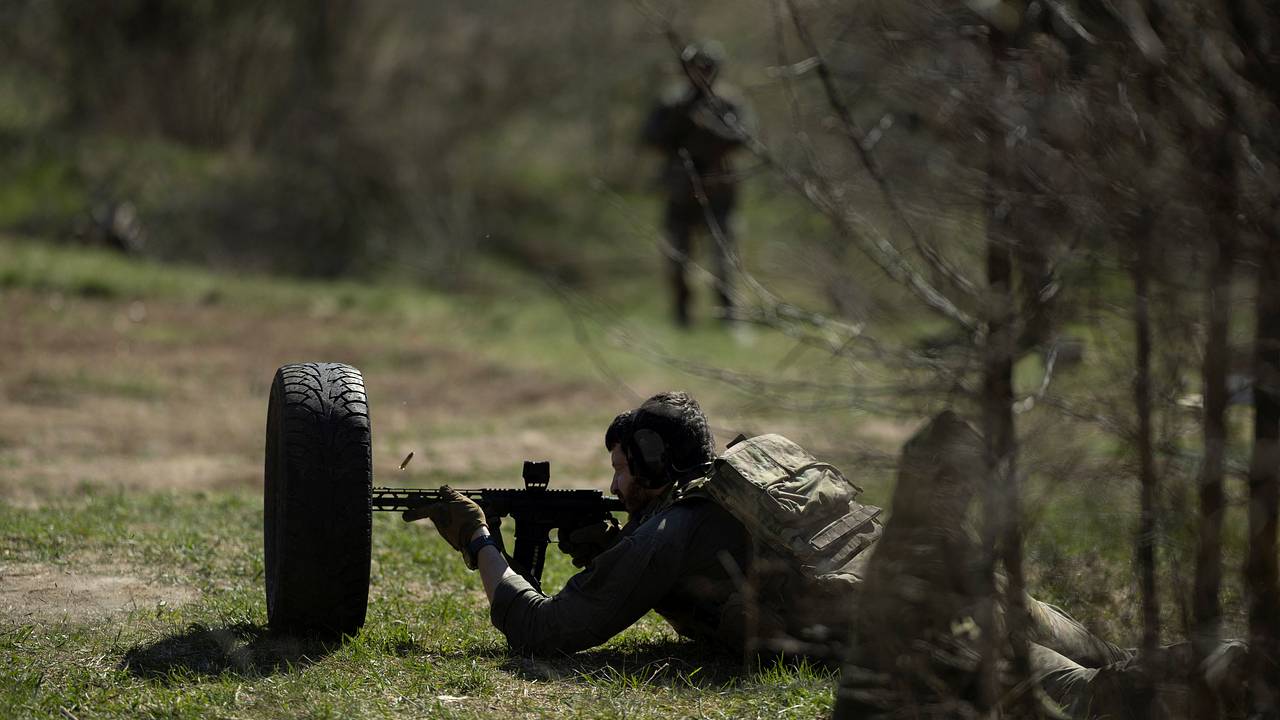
(156, 395)
(49, 594)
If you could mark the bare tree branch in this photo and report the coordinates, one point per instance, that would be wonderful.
(857, 138)
(1069, 19)
(1131, 14)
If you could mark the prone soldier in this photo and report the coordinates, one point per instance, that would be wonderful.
(686, 550)
(665, 558)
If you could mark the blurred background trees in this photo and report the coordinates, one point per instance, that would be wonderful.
(319, 139)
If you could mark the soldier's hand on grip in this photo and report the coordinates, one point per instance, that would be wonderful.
(455, 516)
(585, 543)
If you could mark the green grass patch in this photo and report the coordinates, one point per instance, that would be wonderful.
(44, 387)
(102, 274)
(564, 334)
(41, 187)
(427, 649)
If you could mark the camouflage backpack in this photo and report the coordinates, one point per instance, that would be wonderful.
(810, 533)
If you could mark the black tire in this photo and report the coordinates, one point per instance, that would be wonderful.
(317, 521)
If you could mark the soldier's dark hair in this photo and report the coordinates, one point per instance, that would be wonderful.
(619, 430)
(678, 419)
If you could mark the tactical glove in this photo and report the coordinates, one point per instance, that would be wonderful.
(585, 543)
(456, 517)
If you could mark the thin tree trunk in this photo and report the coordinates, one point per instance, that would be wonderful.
(1206, 606)
(997, 301)
(1002, 460)
(1264, 492)
(1002, 505)
(1148, 482)
(1255, 27)
(1002, 513)
(1001, 531)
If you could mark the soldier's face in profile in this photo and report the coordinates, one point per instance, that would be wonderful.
(633, 497)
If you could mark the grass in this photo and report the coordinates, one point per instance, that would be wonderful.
(38, 191)
(427, 649)
(529, 318)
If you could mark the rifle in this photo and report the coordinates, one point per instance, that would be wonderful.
(536, 510)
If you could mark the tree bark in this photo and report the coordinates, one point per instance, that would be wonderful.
(1148, 479)
(1004, 512)
(1148, 482)
(1206, 606)
(1002, 526)
(1254, 26)
(1261, 585)
(992, 419)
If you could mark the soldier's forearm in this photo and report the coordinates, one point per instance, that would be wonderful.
(492, 565)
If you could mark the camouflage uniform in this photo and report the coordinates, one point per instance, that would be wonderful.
(696, 132)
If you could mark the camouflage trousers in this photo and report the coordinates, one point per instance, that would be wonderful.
(1067, 660)
(1121, 689)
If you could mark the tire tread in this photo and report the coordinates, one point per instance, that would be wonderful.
(318, 520)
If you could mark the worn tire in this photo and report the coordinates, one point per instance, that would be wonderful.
(317, 522)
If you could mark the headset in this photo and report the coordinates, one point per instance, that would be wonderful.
(650, 467)
(648, 459)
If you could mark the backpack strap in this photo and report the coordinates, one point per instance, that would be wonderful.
(696, 489)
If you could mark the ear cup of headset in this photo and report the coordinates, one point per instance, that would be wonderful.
(648, 458)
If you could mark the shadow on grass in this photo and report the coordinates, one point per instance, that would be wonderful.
(669, 663)
(241, 649)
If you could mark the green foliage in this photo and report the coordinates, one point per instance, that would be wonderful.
(271, 137)
(343, 145)
(42, 190)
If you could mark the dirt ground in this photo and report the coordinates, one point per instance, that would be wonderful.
(49, 594)
(104, 393)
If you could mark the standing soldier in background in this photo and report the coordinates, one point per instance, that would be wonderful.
(696, 131)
